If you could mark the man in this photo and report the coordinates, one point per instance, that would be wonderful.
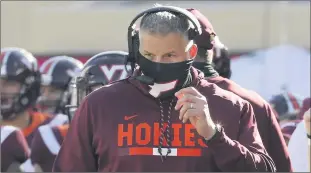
(137, 124)
(98, 71)
(57, 73)
(20, 88)
(299, 142)
(14, 149)
(267, 123)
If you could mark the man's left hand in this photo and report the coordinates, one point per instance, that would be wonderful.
(192, 105)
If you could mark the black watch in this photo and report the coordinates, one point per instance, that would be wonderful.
(309, 136)
(218, 133)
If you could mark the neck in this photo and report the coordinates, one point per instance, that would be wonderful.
(21, 121)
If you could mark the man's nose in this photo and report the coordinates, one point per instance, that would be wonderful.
(157, 59)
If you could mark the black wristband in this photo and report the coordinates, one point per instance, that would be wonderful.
(309, 136)
(219, 131)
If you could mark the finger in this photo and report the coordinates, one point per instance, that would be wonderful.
(188, 90)
(179, 96)
(185, 99)
(184, 109)
(189, 115)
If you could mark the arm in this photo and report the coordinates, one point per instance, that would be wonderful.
(21, 151)
(277, 145)
(77, 153)
(246, 154)
(22, 148)
(38, 150)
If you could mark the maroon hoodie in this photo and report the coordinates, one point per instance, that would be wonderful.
(116, 129)
(268, 125)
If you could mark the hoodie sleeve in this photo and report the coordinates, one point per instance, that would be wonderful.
(245, 154)
(277, 147)
(77, 153)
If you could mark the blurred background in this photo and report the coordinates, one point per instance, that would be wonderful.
(269, 42)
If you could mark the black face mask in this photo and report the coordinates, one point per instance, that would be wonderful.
(165, 78)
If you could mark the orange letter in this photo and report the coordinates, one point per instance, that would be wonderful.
(156, 134)
(176, 131)
(140, 139)
(127, 135)
(201, 143)
(189, 135)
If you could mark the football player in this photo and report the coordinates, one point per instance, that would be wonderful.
(20, 88)
(57, 73)
(14, 149)
(98, 71)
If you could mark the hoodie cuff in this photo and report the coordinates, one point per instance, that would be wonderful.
(219, 138)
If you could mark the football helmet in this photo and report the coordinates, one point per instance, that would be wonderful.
(287, 105)
(56, 74)
(20, 68)
(221, 59)
(100, 70)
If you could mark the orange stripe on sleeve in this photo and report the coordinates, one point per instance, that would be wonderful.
(63, 129)
(36, 120)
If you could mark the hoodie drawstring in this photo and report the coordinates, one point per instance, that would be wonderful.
(165, 132)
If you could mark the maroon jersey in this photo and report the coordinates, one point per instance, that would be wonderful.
(37, 119)
(116, 128)
(14, 147)
(267, 123)
(46, 144)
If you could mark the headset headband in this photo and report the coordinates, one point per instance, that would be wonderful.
(173, 9)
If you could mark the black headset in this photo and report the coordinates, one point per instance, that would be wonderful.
(133, 33)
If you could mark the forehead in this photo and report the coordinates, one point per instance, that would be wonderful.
(157, 43)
